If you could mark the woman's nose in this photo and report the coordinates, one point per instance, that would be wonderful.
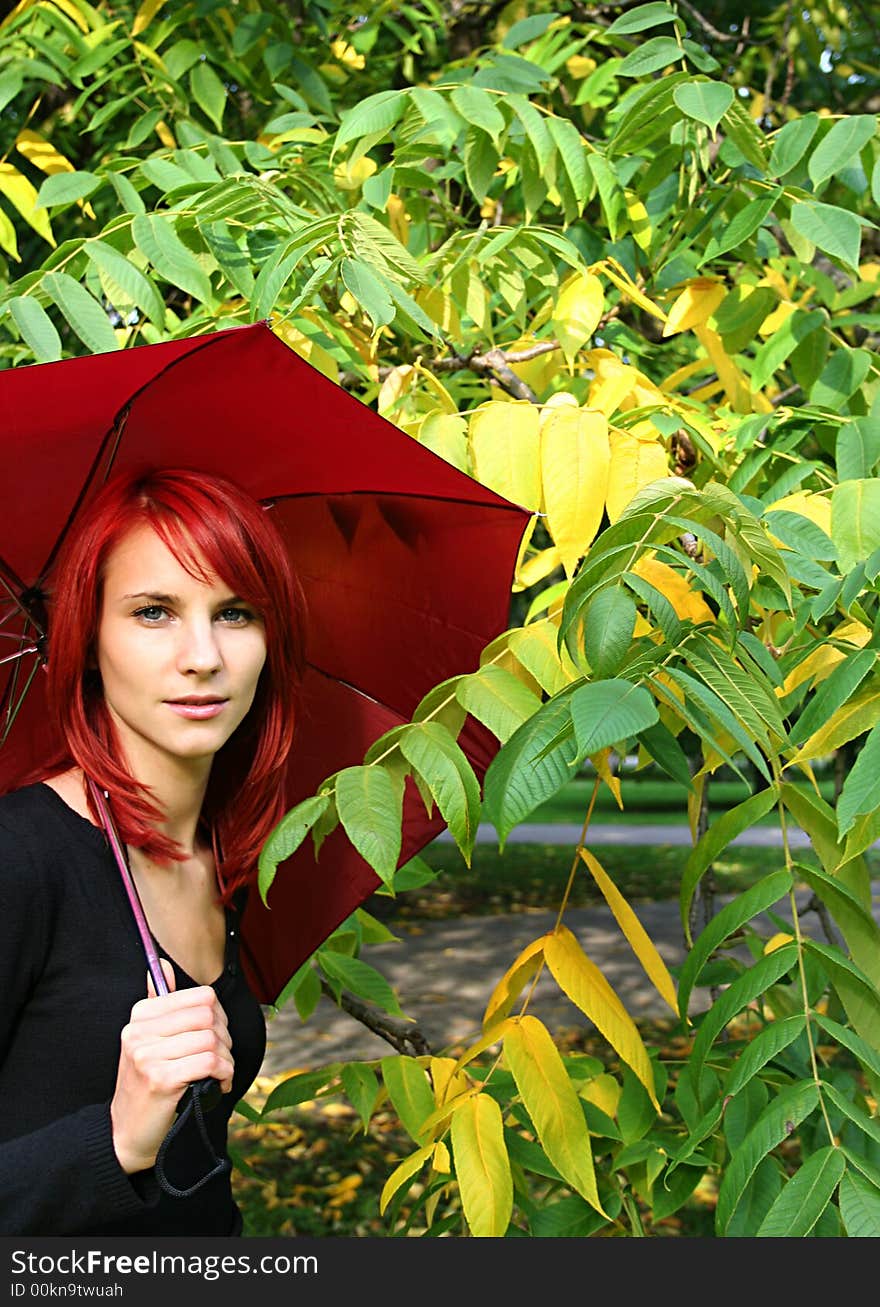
(199, 649)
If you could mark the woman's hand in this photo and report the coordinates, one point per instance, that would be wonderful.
(170, 1041)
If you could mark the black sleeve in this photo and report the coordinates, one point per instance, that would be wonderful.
(63, 1178)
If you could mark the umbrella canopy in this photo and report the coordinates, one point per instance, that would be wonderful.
(381, 532)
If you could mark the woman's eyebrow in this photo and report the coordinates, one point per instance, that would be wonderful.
(156, 598)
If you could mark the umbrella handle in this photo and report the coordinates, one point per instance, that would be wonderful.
(209, 1088)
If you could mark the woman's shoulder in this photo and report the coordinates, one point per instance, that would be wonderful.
(35, 823)
(26, 809)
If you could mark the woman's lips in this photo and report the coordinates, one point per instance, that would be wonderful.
(197, 711)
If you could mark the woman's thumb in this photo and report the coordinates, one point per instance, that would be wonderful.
(168, 972)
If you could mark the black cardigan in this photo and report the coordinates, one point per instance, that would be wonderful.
(71, 968)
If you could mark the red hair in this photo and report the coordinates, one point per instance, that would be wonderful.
(212, 527)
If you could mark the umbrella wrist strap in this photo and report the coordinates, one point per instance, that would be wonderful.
(192, 1107)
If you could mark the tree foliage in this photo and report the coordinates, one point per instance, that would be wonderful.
(619, 263)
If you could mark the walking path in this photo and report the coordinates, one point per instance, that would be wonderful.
(443, 972)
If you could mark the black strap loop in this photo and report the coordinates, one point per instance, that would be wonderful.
(209, 1089)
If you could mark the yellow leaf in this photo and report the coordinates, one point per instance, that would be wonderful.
(505, 440)
(776, 320)
(634, 463)
(688, 603)
(17, 189)
(579, 66)
(351, 175)
(446, 435)
(446, 1078)
(482, 1167)
(776, 941)
(604, 1091)
(812, 505)
(588, 989)
(537, 567)
(535, 646)
(575, 458)
(8, 240)
(398, 218)
(346, 54)
(552, 1103)
(145, 15)
(694, 305)
(640, 223)
(440, 308)
(441, 1161)
(613, 380)
(616, 273)
(652, 964)
(513, 982)
(578, 309)
(402, 1173)
(165, 134)
(539, 371)
(858, 714)
(601, 761)
(822, 661)
(736, 385)
(308, 349)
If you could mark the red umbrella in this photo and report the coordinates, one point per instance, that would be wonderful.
(382, 533)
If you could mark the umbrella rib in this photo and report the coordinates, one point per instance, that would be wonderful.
(13, 709)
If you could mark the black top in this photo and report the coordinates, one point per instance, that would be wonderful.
(71, 968)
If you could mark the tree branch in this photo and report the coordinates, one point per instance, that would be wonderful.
(403, 1036)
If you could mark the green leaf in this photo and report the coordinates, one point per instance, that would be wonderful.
(208, 92)
(300, 1088)
(770, 356)
(840, 146)
(443, 767)
(609, 712)
(480, 109)
(733, 234)
(859, 1202)
(361, 979)
(729, 919)
(860, 931)
(480, 161)
(791, 143)
(610, 193)
(778, 1120)
(370, 293)
(859, 793)
(374, 116)
(804, 1197)
(857, 994)
(763, 1048)
(82, 311)
(834, 231)
(124, 284)
(369, 801)
(572, 150)
(842, 376)
(609, 622)
(666, 751)
(832, 693)
(641, 18)
(517, 779)
(287, 836)
(659, 52)
(362, 1087)
(855, 521)
(36, 327)
(857, 450)
(498, 699)
(65, 187)
(800, 534)
(716, 839)
(158, 241)
(705, 102)
(409, 1091)
(710, 702)
(659, 606)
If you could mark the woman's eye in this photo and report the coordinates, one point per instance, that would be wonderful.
(236, 616)
(151, 613)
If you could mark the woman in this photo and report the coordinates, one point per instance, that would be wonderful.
(175, 645)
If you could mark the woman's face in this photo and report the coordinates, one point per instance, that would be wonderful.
(179, 659)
